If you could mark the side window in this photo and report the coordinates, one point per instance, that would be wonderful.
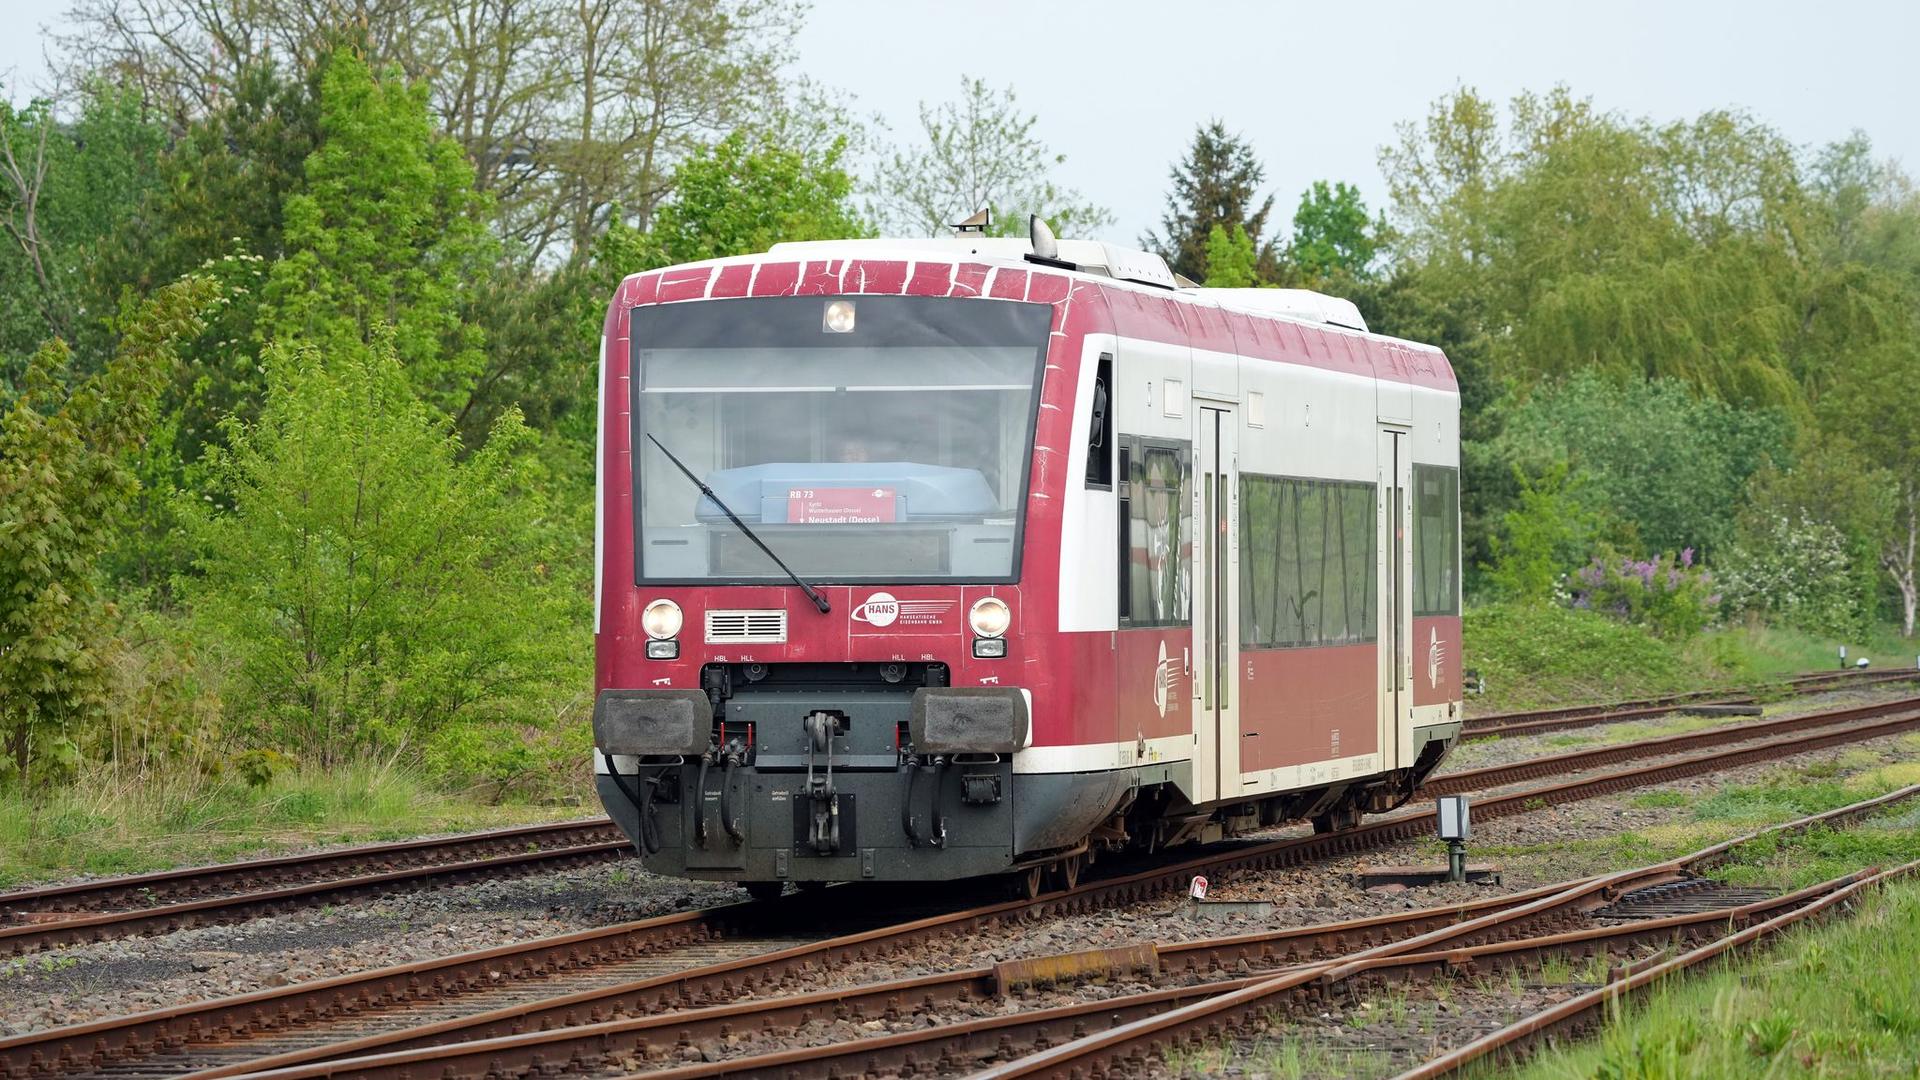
(1436, 540)
(1306, 562)
(1158, 534)
(1100, 426)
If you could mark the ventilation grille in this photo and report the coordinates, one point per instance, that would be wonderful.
(747, 627)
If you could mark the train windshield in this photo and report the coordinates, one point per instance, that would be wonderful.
(862, 438)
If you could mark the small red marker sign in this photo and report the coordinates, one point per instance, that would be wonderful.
(1198, 890)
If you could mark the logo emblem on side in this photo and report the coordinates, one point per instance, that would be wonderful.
(1162, 682)
(1436, 658)
(880, 610)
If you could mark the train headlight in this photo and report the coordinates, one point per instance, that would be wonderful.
(661, 620)
(990, 617)
(839, 317)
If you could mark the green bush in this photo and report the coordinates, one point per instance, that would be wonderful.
(1540, 653)
(1799, 572)
(371, 587)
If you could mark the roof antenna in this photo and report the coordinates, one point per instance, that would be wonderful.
(978, 223)
(1044, 243)
(1046, 248)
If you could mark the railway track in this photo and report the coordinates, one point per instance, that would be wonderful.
(1235, 1008)
(1535, 721)
(1220, 983)
(305, 1025)
(1583, 1013)
(36, 919)
(161, 902)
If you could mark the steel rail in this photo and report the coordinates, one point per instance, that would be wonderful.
(75, 1047)
(586, 1018)
(606, 1044)
(1128, 1046)
(1557, 764)
(775, 971)
(698, 987)
(1500, 725)
(1815, 679)
(192, 882)
(1576, 1014)
(85, 929)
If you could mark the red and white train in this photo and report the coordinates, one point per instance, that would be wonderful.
(927, 559)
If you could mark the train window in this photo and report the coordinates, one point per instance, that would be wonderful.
(1158, 533)
(1100, 426)
(896, 452)
(1306, 562)
(1436, 540)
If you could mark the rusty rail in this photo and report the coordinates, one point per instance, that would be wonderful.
(77, 1047)
(74, 914)
(1578, 1013)
(1531, 722)
(775, 971)
(1432, 938)
(1416, 944)
(1574, 760)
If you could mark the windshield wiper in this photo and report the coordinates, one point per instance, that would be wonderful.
(813, 594)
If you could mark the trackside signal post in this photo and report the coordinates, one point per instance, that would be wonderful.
(1455, 830)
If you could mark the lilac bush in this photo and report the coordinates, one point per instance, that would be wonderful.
(1670, 595)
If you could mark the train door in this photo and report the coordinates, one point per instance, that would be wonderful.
(1396, 610)
(1216, 597)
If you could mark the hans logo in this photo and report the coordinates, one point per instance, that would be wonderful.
(883, 609)
(1436, 658)
(880, 610)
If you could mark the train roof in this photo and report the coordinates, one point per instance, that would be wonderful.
(1096, 258)
(1111, 264)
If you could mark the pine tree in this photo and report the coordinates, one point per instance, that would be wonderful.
(1214, 185)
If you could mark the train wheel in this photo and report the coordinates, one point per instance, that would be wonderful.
(1032, 882)
(1336, 819)
(764, 890)
(1068, 871)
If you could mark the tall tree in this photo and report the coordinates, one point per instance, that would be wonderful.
(64, 484)
(1333, 235)
(1876, 401)
(568, 108)
(746, 193)
(1215, 184)
(979, 153)
(388, 233)
(66, 185)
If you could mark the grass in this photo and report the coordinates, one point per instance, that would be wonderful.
(1470, 754)
(1540, 654)
(1536, 655)
(1837, 1000)
(1771, 652)
(1288, 1058)
(118, 822)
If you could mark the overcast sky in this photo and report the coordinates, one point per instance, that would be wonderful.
(1120, 85)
